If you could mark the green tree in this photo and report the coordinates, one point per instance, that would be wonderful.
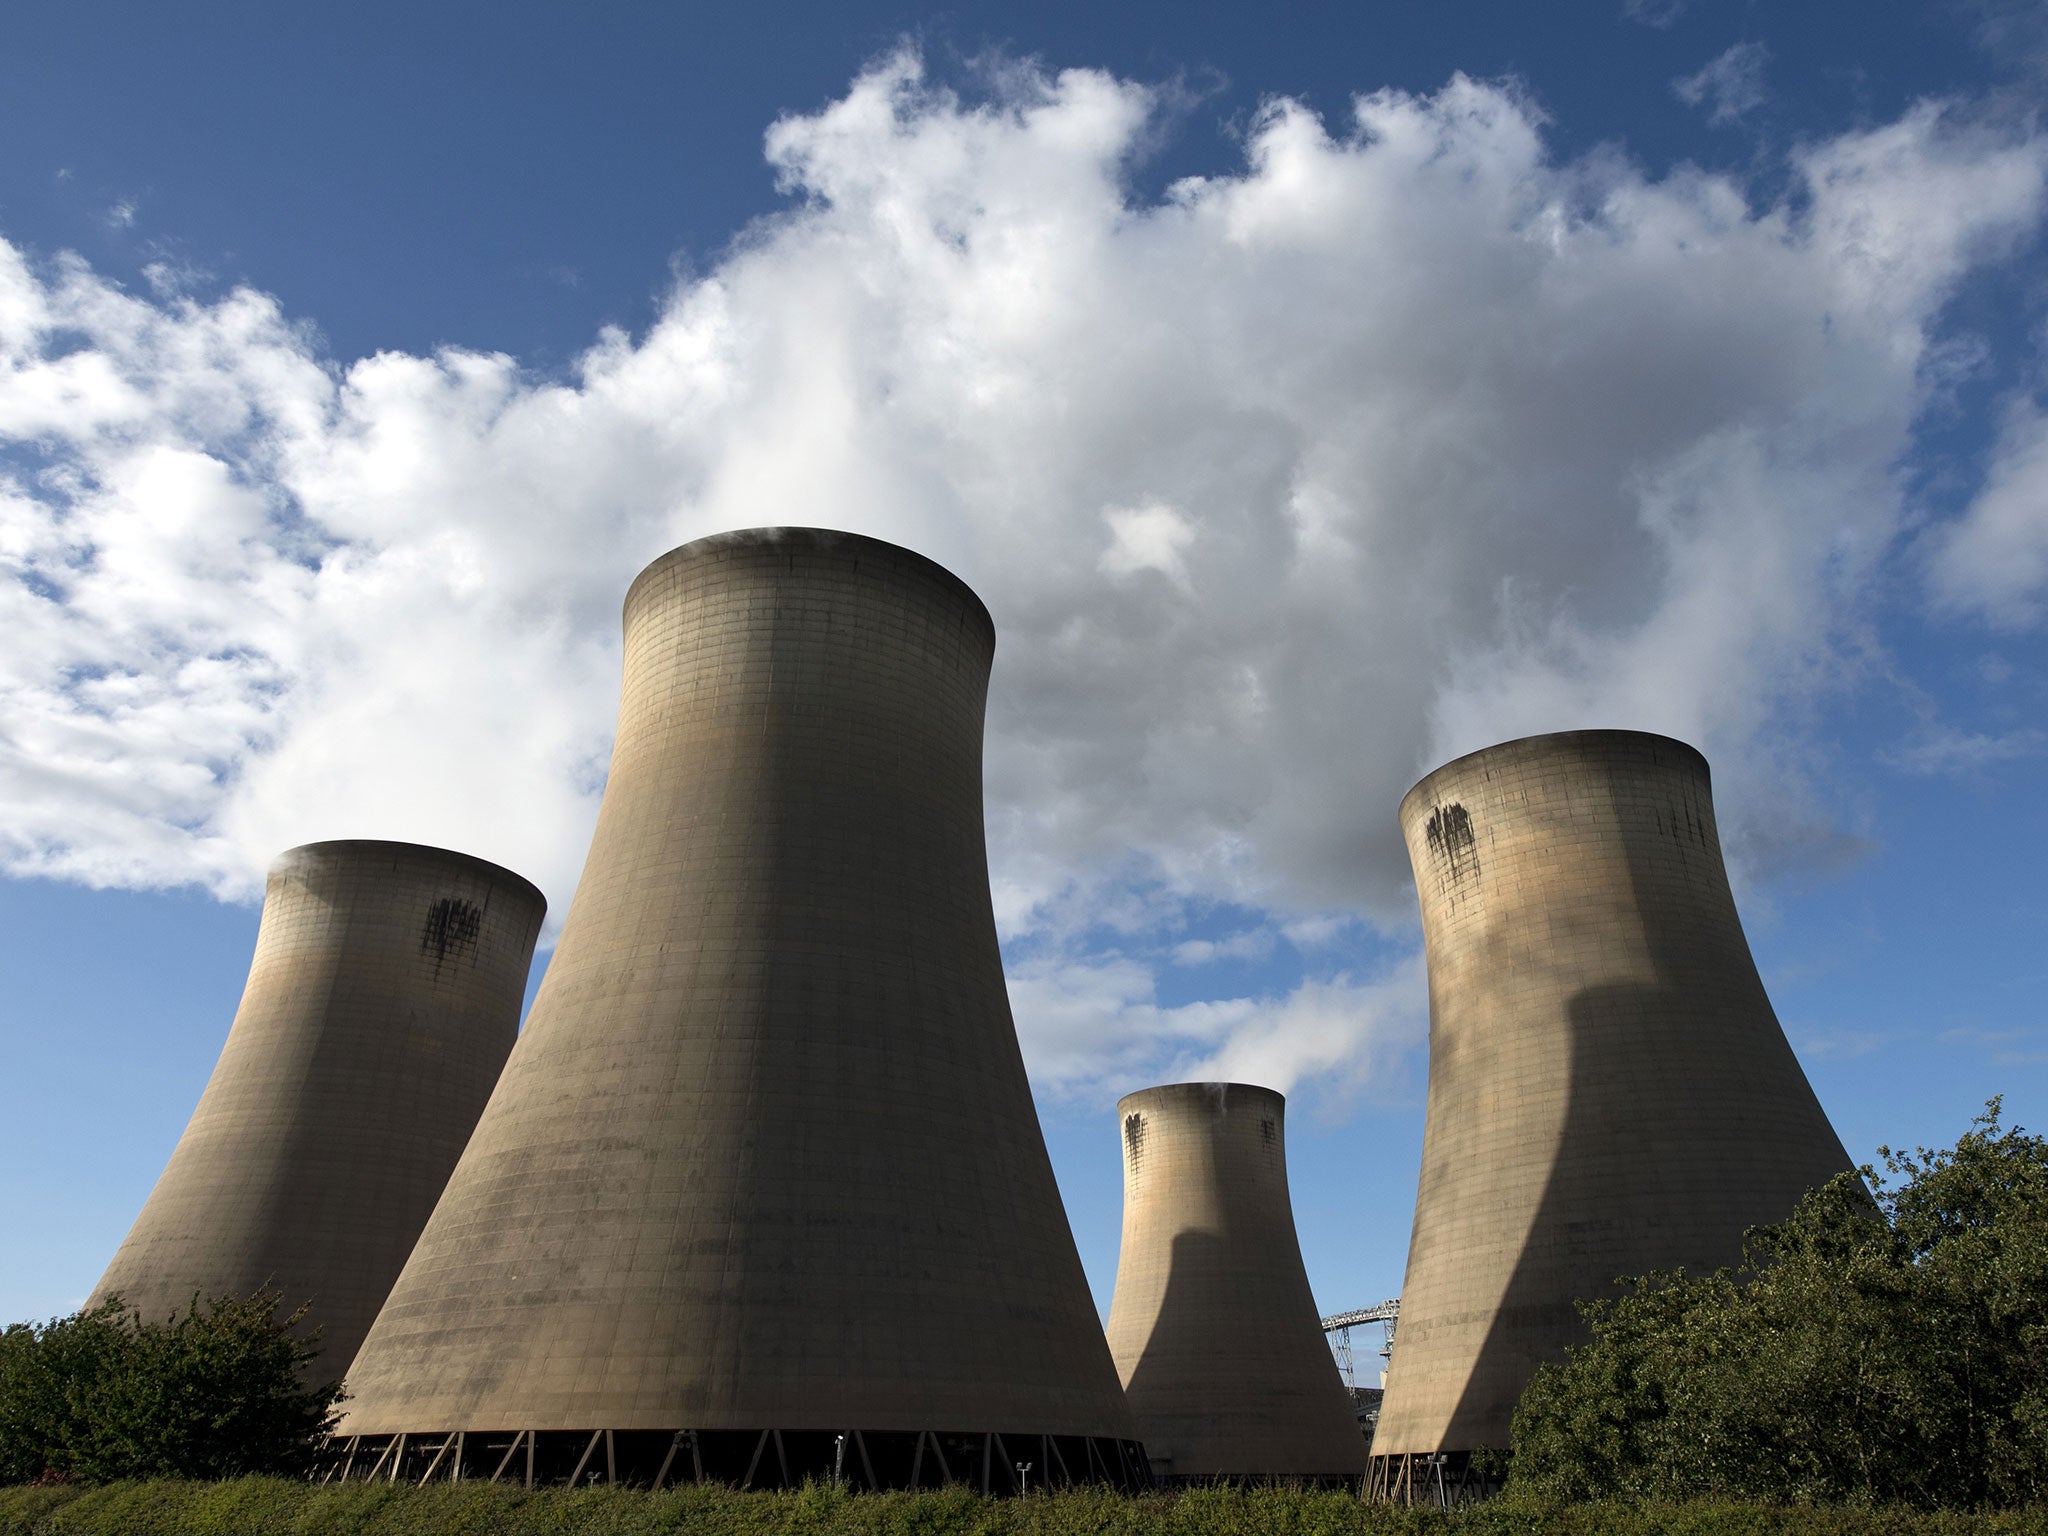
(47, 1374)
(1884, 1344)
(217, 1391)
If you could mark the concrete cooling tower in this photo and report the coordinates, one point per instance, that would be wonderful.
(762, 1193)
(1214, 1328)
(381, 1003)
(1609, 1091)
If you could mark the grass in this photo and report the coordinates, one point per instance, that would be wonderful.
(257, 1506)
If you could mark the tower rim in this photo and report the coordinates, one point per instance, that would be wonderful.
(1611, 734)
(801, 536)
(1137, 1097)
(335, 847)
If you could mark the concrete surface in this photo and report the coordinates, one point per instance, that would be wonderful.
(1609, 1090)
(381, 1004)
(765, 1155)
(1214, 1327)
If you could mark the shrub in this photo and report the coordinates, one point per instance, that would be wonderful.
(1879, 1346)
(213, 1393)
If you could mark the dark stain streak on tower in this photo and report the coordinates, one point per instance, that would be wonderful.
(1134, 1136)
(1450, 839)
(452, 925)
(1682, 822)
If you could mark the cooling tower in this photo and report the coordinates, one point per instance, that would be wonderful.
(381, 1002)
(1609, 1091)
(1214, 1328)
(762, 1192)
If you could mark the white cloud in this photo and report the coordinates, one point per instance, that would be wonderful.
(1732, 83)
(1094, 1023)
(2012, 33)
(1841, 1044)
(1336, 1034)
(1249, 944)
(1995, 560)
(1148, 538)
(2006, 1047)
(1660, 14)
(1391, 442)
(1938, 749)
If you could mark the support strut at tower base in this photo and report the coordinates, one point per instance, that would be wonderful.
(1338, 1482)
(1441, 1479)
(989, 1462)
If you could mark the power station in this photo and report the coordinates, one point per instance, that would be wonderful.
(1609, 1090)
(381, 1003)
(762, 1193)
(1214, 1327)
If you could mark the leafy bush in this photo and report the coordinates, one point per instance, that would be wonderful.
(1882, 1350)
(215, 1392)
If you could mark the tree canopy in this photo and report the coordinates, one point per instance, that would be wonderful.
(218, 1391)
(1887, 1343)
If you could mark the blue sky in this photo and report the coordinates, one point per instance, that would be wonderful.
(1312, 398)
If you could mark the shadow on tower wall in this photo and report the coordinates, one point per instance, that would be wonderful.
(1178, 1359)
(1235, 1380)
(1687, 1119)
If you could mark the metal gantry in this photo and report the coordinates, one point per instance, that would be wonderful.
(1339, 1327)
